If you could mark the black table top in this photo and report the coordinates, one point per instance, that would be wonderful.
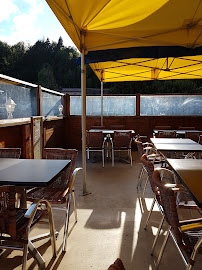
(30, 172)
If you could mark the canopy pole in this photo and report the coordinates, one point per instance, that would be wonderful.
(83, 124)
(101, 97)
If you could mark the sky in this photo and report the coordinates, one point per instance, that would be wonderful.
(29, 21)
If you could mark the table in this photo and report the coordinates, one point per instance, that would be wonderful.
(179, 132)
(176, 145)
(111, 131)
(190, 174)
(31, 173)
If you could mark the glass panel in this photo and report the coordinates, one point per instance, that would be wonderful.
(24, 99)
(50, 104)
(112, 105)
(171, 105)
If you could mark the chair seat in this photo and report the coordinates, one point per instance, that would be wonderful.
(191, 236)
(55, 195)
(22, 223)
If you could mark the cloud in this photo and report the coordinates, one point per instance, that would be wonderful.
(7, 9)
(29, 21)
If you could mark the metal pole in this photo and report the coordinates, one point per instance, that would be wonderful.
(102, 98)
(83, 91)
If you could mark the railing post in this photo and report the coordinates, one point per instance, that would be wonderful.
(67, 105)
(39, 101)
(137, 104)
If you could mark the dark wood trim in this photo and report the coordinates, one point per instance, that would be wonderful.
(67, 105)
(39, 100)
(138, 105)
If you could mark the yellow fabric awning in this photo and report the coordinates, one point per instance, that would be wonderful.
(139, 69)
(111, 24)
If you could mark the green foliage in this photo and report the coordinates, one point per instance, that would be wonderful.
(53, 65)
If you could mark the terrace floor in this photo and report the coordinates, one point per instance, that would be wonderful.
(110, 225)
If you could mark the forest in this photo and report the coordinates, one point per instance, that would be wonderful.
(53, 66)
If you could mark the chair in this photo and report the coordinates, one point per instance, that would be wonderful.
(186, 128)
(166, 134)
(61, 189)
(121, 142)
(186, 234)
(117, 265)
(10, 152)
(148, 149)
(95, 143)
(15, 223)
(117, 127)
(162, 127)
(193, 135)
(97, 127)
(200, 139)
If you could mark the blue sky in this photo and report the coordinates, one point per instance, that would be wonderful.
(29, 21)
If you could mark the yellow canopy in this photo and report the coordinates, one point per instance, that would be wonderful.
(139, 69)
(111, 24)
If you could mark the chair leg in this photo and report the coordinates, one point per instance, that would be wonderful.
(103, 158)
(112, 157)
(131, 160)
(52, 230)
(162, 249)
(157, 235)
(147, 180)
(66, 224)
(24, 258)
(150, 212)
(88, 154)
(74, 201)
(194, 252)
(140, 176)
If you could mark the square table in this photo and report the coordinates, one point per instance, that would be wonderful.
(111, 131)
(179, 132)
(189, 172)
(176, 145)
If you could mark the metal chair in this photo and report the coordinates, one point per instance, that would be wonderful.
(186, 128)
(193, 135)
(97, 127)
(162, 127)
(148, 149)
(61, 190)
(15, 224)
(95, 143)
(10, 152)
(166, 134)
(121, 142)
(187, 235)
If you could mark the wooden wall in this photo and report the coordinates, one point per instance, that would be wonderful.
(66, 133)
(143, 125)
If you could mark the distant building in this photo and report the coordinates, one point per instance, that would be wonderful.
(89, 91)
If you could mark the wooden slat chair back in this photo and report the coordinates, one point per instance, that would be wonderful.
(10, 152)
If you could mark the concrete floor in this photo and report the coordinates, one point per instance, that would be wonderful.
(110, 225)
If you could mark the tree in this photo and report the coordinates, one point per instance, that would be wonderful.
(46, 77)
